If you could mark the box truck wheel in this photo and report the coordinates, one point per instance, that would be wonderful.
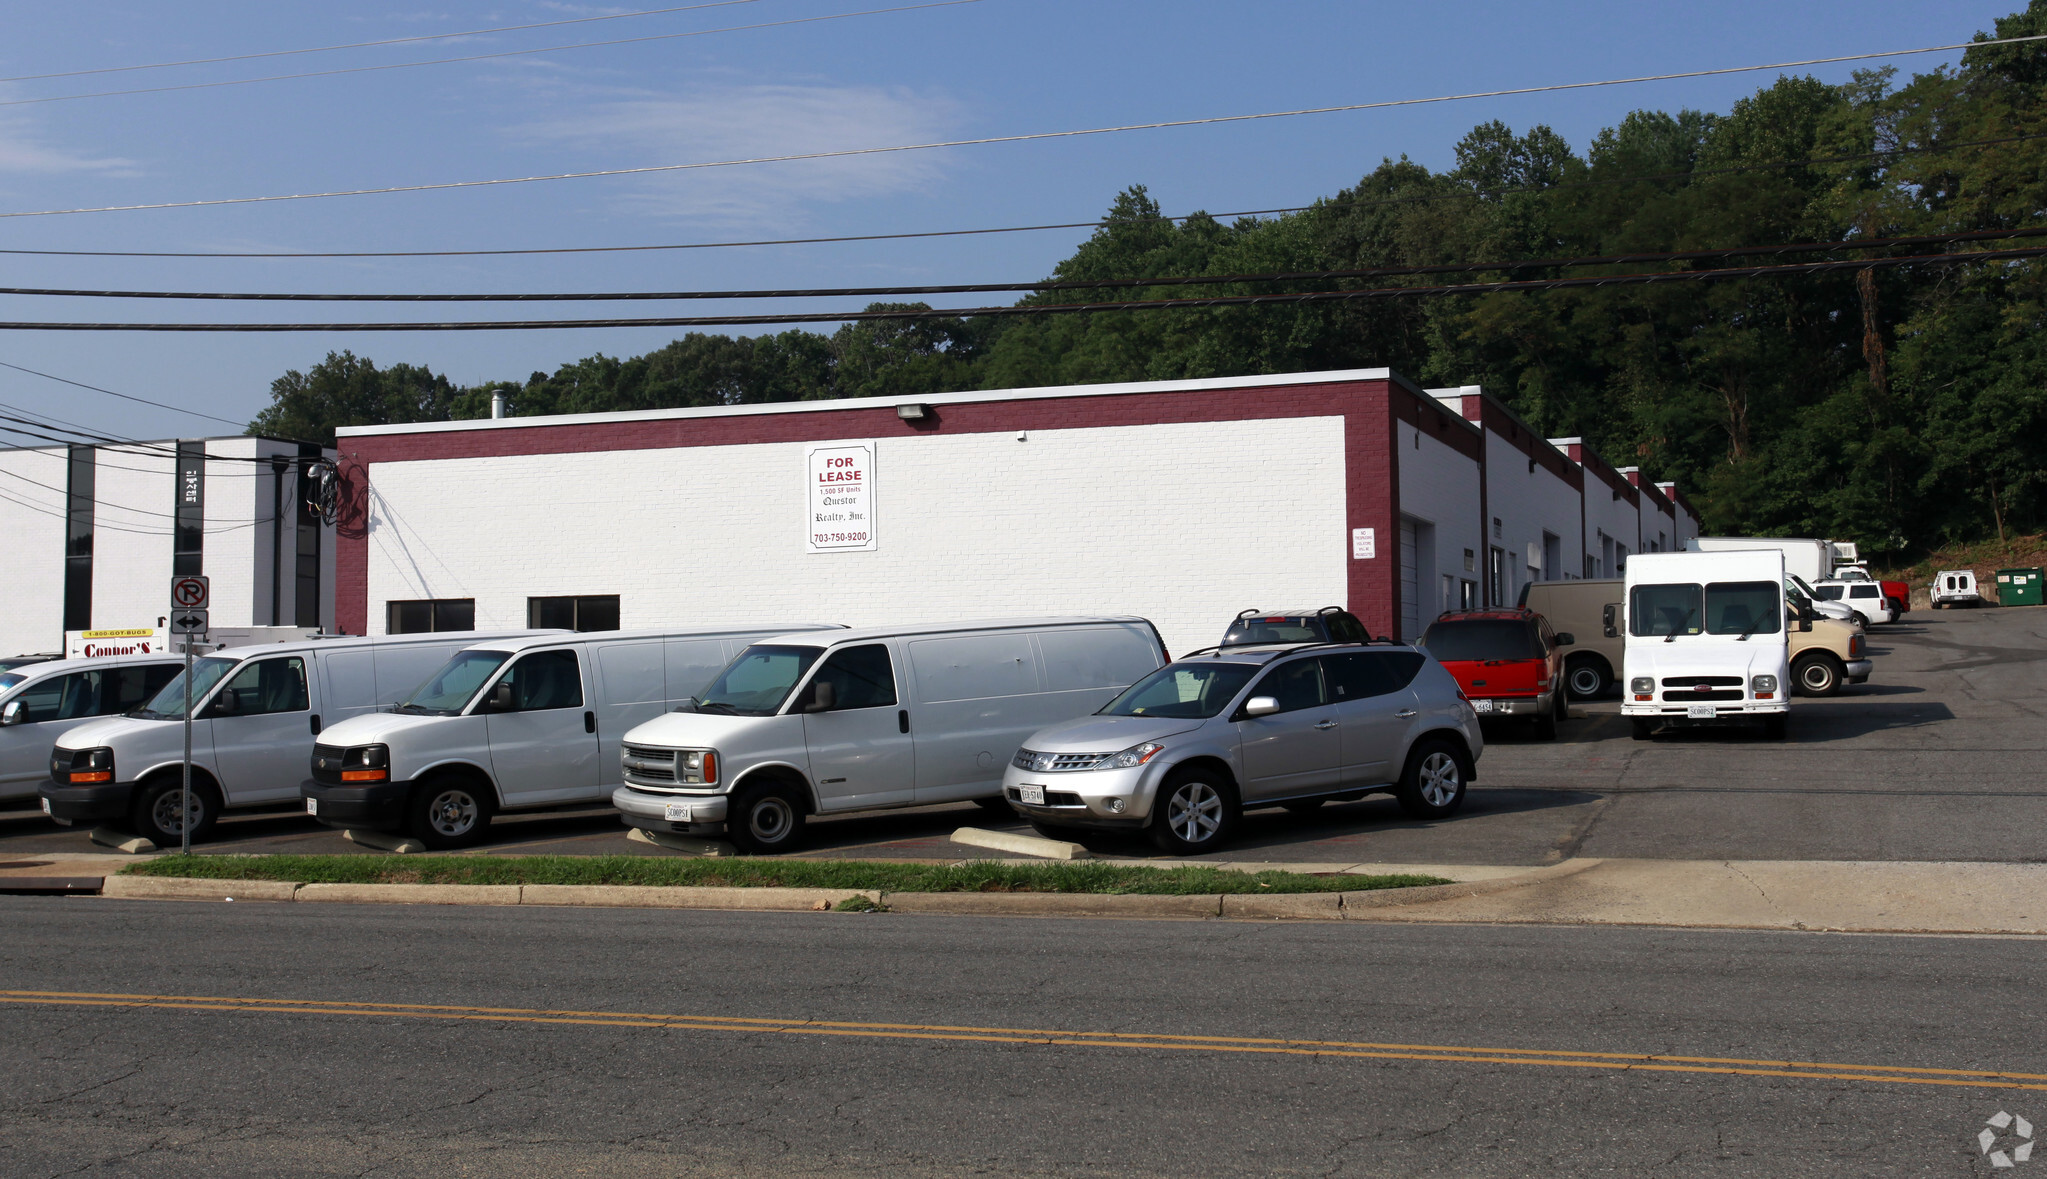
(765, 817)
(1816, 674)
(1588, 677)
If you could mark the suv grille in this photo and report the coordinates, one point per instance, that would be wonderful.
(649, 765)
(1055, 763)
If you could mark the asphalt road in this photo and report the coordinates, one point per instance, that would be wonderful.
(1936, 758)
(622, 1042)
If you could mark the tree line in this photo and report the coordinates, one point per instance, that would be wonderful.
(1904, 407)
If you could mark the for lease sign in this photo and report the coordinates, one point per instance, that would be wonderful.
(838, 505)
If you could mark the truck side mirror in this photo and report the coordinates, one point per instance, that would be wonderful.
(823, 694)
(1609, 617)
(1261, 706)
(501, 699)
(12, 714)
(1566, 639)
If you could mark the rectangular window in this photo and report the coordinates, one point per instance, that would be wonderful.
(1467, 594)
(431, 614)
(1498, 575)
(1660, 611)
(590, 612)
(306, 604)
(79, 497)
(1744, 608)
(541, 681)
(859, 677)
(188, 510)
(264, 686)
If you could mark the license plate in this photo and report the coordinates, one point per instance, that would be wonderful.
(1481, 706)
(312, 806)
(1701, 712)
(1031, 795)
(46, 806)
(676, 812)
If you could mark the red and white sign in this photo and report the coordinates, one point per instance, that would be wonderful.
(190, 592)
(838, 504)
(104, 644)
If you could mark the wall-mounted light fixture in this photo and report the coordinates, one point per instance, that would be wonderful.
(913, 411)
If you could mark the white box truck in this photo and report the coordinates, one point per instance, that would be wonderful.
(1804, 557)
(1706, 641)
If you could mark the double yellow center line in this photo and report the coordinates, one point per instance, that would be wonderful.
(1448, 1054)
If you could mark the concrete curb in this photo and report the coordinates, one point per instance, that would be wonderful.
(647, 896)
(185, 888)
(411, 894)
(1387, 898)
(1053, 904)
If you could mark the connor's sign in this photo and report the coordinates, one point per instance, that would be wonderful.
(101, 644)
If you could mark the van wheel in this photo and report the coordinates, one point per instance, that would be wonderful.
(765, 819)
(156, 813)
(1432, 787)
(1816, 675)
(1195, 812)
(448, 811)
(1587, 677)
(1644, 728)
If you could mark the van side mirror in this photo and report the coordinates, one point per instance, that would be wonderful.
(501, 699)
(1261, 706)
(12, 714)
(1566, 639)
(1610, 617)
(225, 704)
(823, 694)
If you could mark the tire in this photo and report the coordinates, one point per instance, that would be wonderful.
(1587, 678)
(449, 811)
(1546, 723)
(1774, 727)
(1818, 674)
(1644, 728)
(765, 819)
(1195, 812)
(1432, 785)
(1863, 619)
(155, 811)
(1304, 806)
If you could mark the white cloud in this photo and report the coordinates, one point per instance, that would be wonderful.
(25, 151)
(750, 122)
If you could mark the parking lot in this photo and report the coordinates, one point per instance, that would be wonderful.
(1936, 758)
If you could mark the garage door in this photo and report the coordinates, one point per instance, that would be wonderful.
(1410, 597)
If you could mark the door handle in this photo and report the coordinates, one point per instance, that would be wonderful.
(589, 722)
(1328, 724)
(903, 720)
(1404, 713)
(316, 724)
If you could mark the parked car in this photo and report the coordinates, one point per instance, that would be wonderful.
(1187, 749)
(1706, 641)
(1865, 597)
(1796, 586)
(512, 725)
(1509, 662)
(255, 712)
(42, 701)
(1330, 624)
(1955, 587)
(880, 717)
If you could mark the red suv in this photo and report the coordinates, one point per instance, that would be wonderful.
(1508, 662)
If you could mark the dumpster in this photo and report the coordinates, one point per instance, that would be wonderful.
(2021, 587)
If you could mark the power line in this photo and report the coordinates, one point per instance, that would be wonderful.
(1653, 277)
(102, 525)
(1035, 284)
(548, 24)
(123, 396)
(843, 153)
(1420, 198)
(413, 65)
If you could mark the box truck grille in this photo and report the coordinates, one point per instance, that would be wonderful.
(1690, 696)
(1702, 681)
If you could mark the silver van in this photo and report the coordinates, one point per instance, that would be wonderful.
(872, 718)
(40, 702)
(512, 725)
(256, 710)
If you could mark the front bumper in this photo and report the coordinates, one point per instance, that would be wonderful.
(101, 802)
(1857, 670)
(1512, 705)
(1082, 798)
(1722, 709)
(693, 814)
(379, 807)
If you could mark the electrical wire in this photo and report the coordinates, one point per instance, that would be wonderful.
(547, 24)
(413, 65)
(123, 396)
(1036, 284)
(98, 525)
(1029, 137)
(1653, 277)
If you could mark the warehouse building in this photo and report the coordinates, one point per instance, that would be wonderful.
(95, 533)
(1182, 501)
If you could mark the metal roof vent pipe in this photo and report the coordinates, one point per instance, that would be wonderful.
(497, 404)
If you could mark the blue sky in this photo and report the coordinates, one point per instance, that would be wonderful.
(992, 67)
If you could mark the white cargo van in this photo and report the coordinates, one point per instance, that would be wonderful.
(41, 702)
(516, 725)
(1706, 640)
(1955, 587)
(255, 713)
(871, 718)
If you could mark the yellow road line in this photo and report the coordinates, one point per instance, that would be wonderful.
(1441, 1053)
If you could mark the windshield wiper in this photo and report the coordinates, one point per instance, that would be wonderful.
(1743, 638)
(717, 706)
(1672, 636)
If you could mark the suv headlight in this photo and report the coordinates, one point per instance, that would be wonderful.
(1136, 755)
(1762, 683)
(1642, 684)
(696, 767)
(366, 764)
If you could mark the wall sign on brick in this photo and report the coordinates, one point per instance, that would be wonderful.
(839, 498)
(1364, 544)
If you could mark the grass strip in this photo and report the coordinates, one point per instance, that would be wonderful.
(973, 876)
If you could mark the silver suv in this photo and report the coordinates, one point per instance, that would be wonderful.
(1186, 749)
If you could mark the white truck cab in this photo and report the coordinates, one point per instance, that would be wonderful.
(1707, 640)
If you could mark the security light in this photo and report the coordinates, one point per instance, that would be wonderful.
(913, 411)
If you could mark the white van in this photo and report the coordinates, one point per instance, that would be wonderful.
(40, 702)
(516, 725)
(256, 711)
(1707, 640)
(873, 718)
(1955, 587)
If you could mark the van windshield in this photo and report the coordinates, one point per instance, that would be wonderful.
(447, 690)
(1183, 691)
(756, 683)
(169, 704)
(8, 679)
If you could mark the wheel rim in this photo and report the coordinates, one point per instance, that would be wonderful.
(1439, 779)
(1195, 812)
(169, 816)
(770, 819)
(1815, 677)
(1585, 681)
(452, 813)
